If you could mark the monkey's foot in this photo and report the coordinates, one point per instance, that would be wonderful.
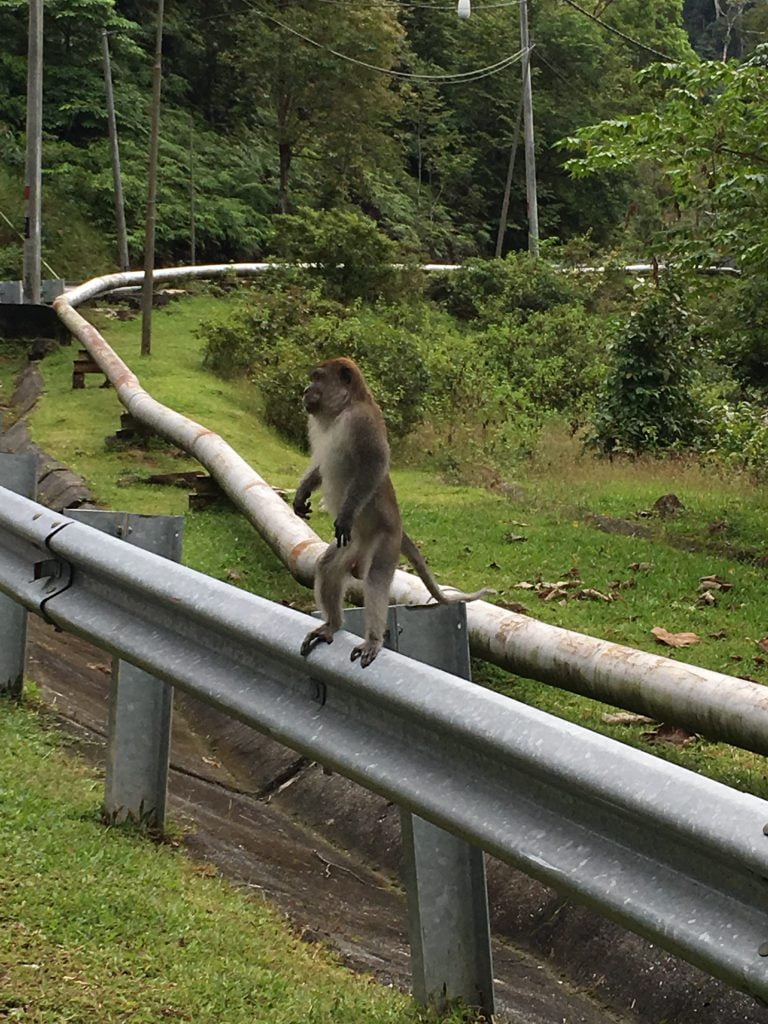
(365, 652)
(323, 633)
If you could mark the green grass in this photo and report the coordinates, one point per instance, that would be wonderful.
(464, 530)
(13, 356)
(97, 924)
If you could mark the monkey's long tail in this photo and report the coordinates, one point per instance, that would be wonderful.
(416, 559)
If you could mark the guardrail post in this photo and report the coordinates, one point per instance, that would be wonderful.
(444, 876)
(140, 705)
(19, 474)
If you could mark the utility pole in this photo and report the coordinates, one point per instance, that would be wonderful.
(122, 233)
(33, 173)
(530, 158)
(192, 224)
(508, 185)
(149, 234)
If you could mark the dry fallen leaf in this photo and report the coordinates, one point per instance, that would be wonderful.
(626, 718)
(707, 598)
(763, 643)
(673, 734)
(553, 592)
(663, 636)
(590, 594)
(622, 584)
(641, 566)
(513, 606)
(714, 583)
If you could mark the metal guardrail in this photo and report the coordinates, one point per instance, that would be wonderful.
(676, 857)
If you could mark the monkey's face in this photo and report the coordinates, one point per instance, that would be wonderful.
(313, 394)
(328, 390)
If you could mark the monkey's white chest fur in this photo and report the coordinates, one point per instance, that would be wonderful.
(332, 454)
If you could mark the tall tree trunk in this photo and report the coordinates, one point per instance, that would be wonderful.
(286, 156)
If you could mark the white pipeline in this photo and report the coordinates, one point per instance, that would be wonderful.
(716, 705)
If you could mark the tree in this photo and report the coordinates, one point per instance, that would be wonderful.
(707, 139)
(647, 402)
(304, 98)
(581, 72)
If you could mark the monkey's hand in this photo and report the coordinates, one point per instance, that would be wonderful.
(343, 531)
(302, 506)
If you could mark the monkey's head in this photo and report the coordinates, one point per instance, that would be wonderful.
(333, 385)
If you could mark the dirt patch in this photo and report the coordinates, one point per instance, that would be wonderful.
(631, 528)
(57, 486)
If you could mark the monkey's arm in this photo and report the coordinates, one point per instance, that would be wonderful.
(308, 483)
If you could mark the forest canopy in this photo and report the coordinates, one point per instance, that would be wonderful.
(272, 107)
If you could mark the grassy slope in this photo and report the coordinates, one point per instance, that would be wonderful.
(97, 924)
(463, 530)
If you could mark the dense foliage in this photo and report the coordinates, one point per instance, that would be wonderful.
(275, 332)
(486, 382)
(703, 153)
(338, 135)
(706, 139)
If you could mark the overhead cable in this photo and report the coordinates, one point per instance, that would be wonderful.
(620, 34)
(439, 79)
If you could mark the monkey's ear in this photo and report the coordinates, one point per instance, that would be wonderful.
(345, 373)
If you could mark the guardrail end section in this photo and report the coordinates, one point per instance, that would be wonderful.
(18, 473)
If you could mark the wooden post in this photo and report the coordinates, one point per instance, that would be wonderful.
(33, 170)
(149, 234)
(114, 149)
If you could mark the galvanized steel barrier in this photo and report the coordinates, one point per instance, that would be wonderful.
(676, 857)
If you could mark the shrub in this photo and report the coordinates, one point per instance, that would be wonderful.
(647, 402)
(349, 252)
(280, 307)
(743, 330)
(277, 332)
(740, 433)
(489, 290)
(557, 358)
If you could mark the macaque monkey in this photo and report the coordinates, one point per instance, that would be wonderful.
(350, 460)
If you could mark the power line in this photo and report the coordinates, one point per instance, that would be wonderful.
(620, 34)
(442, 79)
(443, 8)
(446, 9)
